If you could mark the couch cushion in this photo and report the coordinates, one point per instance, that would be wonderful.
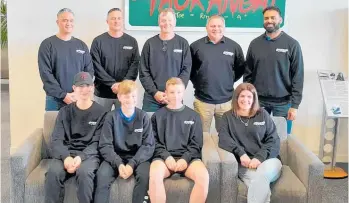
(287, 189)
(49, 124)
(121, 190)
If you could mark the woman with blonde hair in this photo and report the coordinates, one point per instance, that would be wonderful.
(250, 134)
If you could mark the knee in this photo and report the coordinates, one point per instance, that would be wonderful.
(154, 176)
(272, 168)
(85, 174)
(202, 178)
(55, 170)
(143, 178)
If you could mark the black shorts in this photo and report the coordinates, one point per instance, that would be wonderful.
(182, 173)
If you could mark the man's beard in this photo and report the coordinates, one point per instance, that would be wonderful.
(275, 28)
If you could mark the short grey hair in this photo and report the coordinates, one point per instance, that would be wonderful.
(65, 10)
(213, 17)
(165, 11)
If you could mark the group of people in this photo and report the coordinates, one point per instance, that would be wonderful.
(98, 145)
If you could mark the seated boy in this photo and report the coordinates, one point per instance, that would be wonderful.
(74, 144)
(179, 139)
(126, 144)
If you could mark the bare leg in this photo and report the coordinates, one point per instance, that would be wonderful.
(158, 172)
(198, 173)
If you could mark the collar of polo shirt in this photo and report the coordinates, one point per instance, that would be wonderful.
(269, 39)
(207, 40)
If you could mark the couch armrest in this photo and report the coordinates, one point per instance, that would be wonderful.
(23, 161)
(229, 174)
(307, 167)
(212, 161)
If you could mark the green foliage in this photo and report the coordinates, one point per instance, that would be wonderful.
(3, 24)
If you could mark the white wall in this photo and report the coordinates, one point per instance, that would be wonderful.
(319, 26)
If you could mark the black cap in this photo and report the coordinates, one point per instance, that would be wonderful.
(83, 78)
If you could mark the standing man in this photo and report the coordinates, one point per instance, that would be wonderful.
(61, 56)
(218, 62)
(275, 68)
(115, 57)
(163, 56)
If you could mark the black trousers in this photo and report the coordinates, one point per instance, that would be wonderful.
(57, 175)
(106, 175)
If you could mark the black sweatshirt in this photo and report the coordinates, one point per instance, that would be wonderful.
(258, 140)
(123, 140)
(161, 60)
(77, 131)
(215, 69)
(59, 61)
(275, 68)
(177, 133)
(114, 60)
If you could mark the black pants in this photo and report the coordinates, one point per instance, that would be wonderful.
(106, 175)
(57, 175)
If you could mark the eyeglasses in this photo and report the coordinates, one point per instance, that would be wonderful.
(164, 46)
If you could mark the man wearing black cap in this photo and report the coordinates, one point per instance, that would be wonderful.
(74, 143)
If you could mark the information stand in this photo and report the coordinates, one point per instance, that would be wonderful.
(334, 90)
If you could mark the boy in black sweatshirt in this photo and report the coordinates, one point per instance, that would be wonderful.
(74, 144)
(126, 144)
(179, 139)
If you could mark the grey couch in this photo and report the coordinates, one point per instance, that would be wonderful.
(301, 180)
(31, 161)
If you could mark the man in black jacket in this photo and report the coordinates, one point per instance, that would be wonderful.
(60, 57)
(74, 144)
(126, 145)
(275, 68)
(163, 56)
(218, 62)
(115, 58)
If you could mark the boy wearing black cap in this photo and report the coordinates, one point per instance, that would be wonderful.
(74, 143)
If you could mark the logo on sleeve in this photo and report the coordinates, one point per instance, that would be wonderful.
(139, 130)
(127, 47)
(80, 51)
(189, 122)
(177, 50)
(281, 50)
(92, 123)
(259, 123)
(228, 53)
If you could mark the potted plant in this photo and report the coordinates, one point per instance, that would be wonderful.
(4, 53)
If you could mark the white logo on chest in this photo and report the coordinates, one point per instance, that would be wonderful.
(177, 50)
(281, 50)
(80, 51)
(228, 53)
(127, 47)
(139, 130)
(92, 123)
(189, 122)
(259, 123)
